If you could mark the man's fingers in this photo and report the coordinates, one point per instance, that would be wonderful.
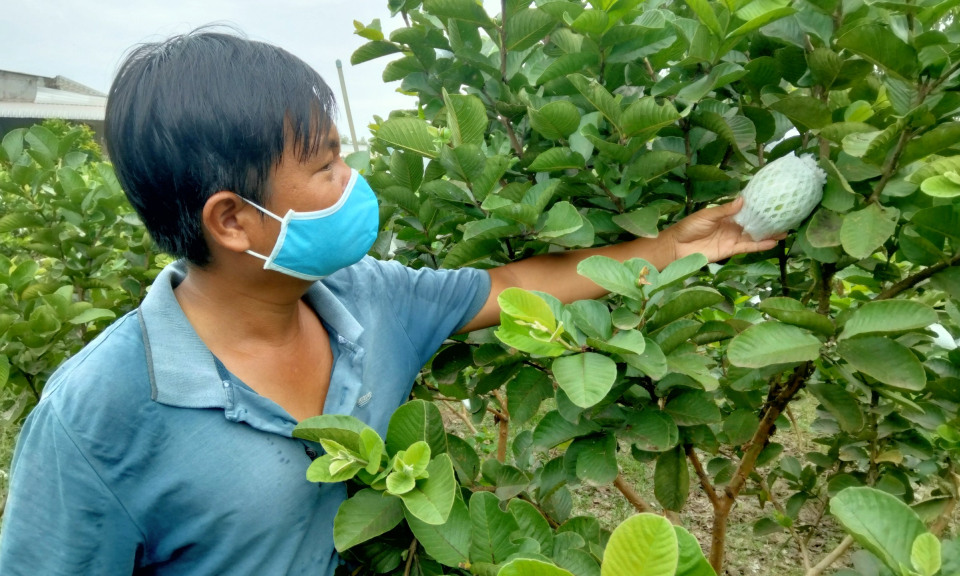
(722, 211)
(747, 247)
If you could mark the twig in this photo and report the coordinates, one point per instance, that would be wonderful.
(831, 557)
(463, 417)
(702, 475)
(782, 260)
(888, 168)
(503, 40)
(796, 427)
(504, 436)
(943, 520)
(410, 553)
(793, 531)
(911, 281)
(631, 495)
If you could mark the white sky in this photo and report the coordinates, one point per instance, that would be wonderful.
(85, 40)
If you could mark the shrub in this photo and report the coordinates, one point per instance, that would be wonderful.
(562, 125)
(73, 255)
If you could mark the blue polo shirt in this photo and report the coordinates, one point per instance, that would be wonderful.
(145, 455)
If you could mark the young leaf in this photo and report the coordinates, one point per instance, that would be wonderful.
(646, 540)
(586, 377)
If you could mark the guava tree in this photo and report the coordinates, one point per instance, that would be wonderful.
(559, 124)
(73, 255)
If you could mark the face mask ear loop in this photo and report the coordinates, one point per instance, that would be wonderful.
(268, 213)
(262, 209)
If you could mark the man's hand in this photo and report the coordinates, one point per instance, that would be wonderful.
(713, 233)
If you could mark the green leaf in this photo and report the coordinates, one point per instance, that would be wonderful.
(679, 270)
(342, 429)
(886, 360)
(447, 543)
(671, 479)
(840, 402)
(940, 138)
(530, 567)
(888, 316)
(824, 65)
(562, 219)
(623, 342)
(652, 362)
(646, 117)
(492, 529)
(470, 252)
(610, 275)
(408, 134)
(553, 430)
(527, 27)
(943, 220)
(413, 422)
(527, 306)
(597, 460)
(465, 162)
(557, 119)
(590, 22)
(19, 221)
(560, 158)
(804, 111)
(879, 522)
(940, 187)
(925, 554)
(772, 343)
(4, 370)
(526, 338)
(367, 514)
(373, 50)
(567, 64)
(691, 561)
(92, 315)
(646, 540)
(642, 222)
(586, 377)
(760, 21)
(863, 231)
(740, 426)
(703, 9)
(653, 430)
(465, 10)
(13, 145)
(654, 164)
(824, 229)
(525, 393)
(882, 47)
(598, 97)
(43, 141)
(466, 118)
(693, 408)
(794, 312)
(683, 302)
(432, 499)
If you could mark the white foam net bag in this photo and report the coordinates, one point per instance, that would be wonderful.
(781, 195)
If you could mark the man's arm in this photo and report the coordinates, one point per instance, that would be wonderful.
(710, 232)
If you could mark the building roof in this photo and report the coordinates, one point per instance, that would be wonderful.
(30, 96)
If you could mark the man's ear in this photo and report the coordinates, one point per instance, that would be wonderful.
(236, 225)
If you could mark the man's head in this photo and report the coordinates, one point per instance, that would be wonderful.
(199, 119)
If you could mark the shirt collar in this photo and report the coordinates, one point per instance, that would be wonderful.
(182, 369)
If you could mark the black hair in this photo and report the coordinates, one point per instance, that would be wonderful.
(203, 112)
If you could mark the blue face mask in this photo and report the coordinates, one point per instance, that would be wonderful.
(313, 245)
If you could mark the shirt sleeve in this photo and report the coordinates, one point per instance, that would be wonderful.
(60, 518)
(433, 304)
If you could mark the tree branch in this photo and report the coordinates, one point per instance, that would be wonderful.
(831, 557)
(911, 281)
(631, 495)
(410, 554)
(504, 429)
(702, 475)
(777, 400)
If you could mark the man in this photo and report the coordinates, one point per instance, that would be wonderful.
(164, 447)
